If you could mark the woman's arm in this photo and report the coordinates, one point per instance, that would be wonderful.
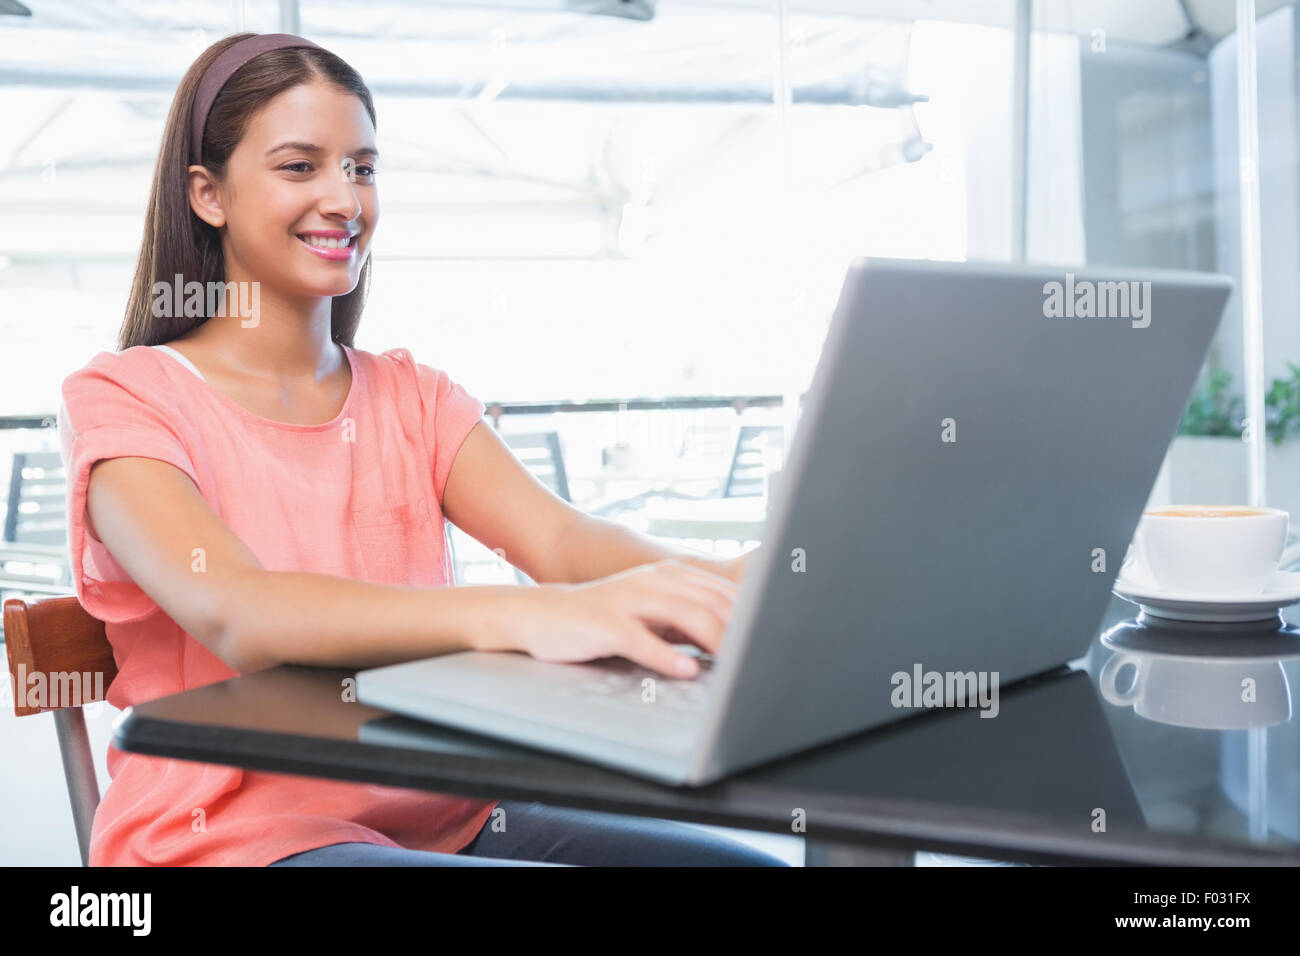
(597, 547)
(204, 577)
(160, 529)
(493, 497)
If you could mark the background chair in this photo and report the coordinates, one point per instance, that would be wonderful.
(51, 637)
(541, 455)
(742, 455)
(33, 545)
(37, 512)
(747, 472)
(737, 511)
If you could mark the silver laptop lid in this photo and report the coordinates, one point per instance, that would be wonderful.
(976, 438)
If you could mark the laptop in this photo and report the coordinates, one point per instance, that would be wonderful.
(971, 461)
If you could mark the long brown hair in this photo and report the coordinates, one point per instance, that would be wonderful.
(176, 241)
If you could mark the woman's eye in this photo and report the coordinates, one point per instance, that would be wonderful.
(365, 170)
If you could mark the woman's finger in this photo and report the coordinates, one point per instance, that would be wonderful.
(705, 576)
(697, 588)
(642, 646)
(699, 623)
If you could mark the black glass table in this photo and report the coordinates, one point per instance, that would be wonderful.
(1165, 744)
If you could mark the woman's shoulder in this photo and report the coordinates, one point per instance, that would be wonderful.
(394, 358)
(408, 380)
(139, 359)
(129, 385)
(139, 367)
(396, 369)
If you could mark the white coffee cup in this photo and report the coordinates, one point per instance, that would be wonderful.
(1211, 550)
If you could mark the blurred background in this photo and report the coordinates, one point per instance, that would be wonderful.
(624, 225)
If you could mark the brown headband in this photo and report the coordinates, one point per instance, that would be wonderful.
(221, 70)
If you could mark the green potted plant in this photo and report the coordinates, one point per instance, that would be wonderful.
(1282, 405)
(1208, 460)
(1212, 412)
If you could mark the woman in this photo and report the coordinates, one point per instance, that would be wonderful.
(246, 489)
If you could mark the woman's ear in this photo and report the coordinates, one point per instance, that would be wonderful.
(205, 198)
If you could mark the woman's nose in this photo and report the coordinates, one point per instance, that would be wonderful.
(342, 197)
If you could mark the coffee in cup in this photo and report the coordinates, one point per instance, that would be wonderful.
(1211, 550)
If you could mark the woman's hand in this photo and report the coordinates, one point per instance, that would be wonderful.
(731, 568)
(626, 615)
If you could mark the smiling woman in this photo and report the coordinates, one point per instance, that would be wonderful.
(275, 199)
(268, 493)
(278, 105)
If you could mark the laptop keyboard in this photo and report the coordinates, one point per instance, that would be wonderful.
(645, 688)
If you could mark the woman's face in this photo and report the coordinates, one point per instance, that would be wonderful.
(299, 195)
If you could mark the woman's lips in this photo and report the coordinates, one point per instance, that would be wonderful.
(339, 253)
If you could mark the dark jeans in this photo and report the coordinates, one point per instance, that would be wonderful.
(537, 835)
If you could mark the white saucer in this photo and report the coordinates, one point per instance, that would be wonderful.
(1282, 591)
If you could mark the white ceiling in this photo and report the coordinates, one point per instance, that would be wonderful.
(554, 129)
(1148, 22)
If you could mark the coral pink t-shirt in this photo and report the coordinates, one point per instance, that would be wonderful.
(359, 496)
